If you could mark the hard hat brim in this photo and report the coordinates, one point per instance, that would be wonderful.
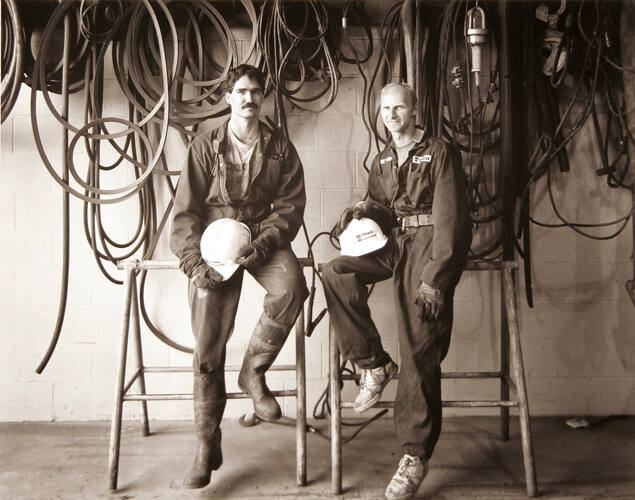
(368, 247)
(225, 270)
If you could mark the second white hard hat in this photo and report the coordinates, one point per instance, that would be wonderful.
(360, 237)
(221, 244)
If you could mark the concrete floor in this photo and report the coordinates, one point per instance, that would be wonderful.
(69, 461)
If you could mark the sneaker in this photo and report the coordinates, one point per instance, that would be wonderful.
(406, 481)
(372, 383)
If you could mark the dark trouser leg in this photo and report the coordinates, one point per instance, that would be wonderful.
(212, 313)
(423, 345)
(284, 282)
(345, 280)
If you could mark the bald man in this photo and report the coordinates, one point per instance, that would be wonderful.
(417, 194)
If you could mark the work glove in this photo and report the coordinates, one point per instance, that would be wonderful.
(253, 255)
(207, 277)
(356, 211)
(430, 301)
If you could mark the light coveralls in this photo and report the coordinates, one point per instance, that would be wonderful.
(271, 204)
(431, 180)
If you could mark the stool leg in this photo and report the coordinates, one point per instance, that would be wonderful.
(519, 376)
(300, 374)
(115, 426)
(145, 427)
(504, 367)
(336, 414)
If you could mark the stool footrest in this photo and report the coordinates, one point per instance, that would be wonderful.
(230, 395)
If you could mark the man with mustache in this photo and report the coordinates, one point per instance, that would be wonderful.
(245, 171)
(417, 194)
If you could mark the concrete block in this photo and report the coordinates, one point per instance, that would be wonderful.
(609, 395)
(105, 356)
(6, 137)
(469, 390)
(105, 292)
(177, 288)
(7, 211)
(23, 170)
(343, 132)
(44, 285)
(22, 402)
(329, 169)
(344, 102)
(25, 248)
(564, 245)
(557, 396)
(476, 320)
(577, 281)
(27, 324)
(7, 287)
(88, 324)
(69, 363)
(303, 129)
(71, 401)
(334, 201)
(471, 355)
(8, 368)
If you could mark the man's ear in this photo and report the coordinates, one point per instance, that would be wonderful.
(227, 97)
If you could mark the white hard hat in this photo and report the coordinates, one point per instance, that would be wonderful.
(360, 237)
(221, 244)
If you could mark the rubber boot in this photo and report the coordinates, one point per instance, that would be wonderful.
(209, 404)
(264, 346)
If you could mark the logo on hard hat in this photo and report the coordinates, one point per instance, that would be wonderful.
(221, 244)
(360, 237)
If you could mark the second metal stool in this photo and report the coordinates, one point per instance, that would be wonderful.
(515, 380)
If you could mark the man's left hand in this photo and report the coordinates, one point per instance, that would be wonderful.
(430, 300)
(252, 256)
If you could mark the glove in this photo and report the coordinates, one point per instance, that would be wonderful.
(253, 255)
(430, 300)
(207, 277)
(356, 211)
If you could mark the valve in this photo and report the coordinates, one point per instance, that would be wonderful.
(476, 34)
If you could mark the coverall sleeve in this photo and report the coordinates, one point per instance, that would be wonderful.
(452, 234)
(281, 226)
(187, 222)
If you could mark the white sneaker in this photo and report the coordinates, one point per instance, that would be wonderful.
(372, 383)
(407, 479)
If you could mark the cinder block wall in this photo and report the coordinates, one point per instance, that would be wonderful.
(578, 339)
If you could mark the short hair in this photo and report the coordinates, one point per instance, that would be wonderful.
(409, 90)
(235, 74)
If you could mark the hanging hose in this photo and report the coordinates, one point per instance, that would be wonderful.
(12, 56)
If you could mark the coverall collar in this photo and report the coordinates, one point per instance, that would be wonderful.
(220, 144)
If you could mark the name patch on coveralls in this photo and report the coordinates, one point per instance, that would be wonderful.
(385, 160)
(422, 159)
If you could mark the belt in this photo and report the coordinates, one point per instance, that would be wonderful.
(417, 220)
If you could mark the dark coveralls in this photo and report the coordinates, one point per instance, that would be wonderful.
(272, 205)
(431, 180)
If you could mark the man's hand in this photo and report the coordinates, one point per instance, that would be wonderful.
(356, 211)
(207, 277)
(253, 255)
(430, 300)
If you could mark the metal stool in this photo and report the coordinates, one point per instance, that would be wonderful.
(131, 313)
(509, 334)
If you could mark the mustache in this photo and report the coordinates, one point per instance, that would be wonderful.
(250, 105)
